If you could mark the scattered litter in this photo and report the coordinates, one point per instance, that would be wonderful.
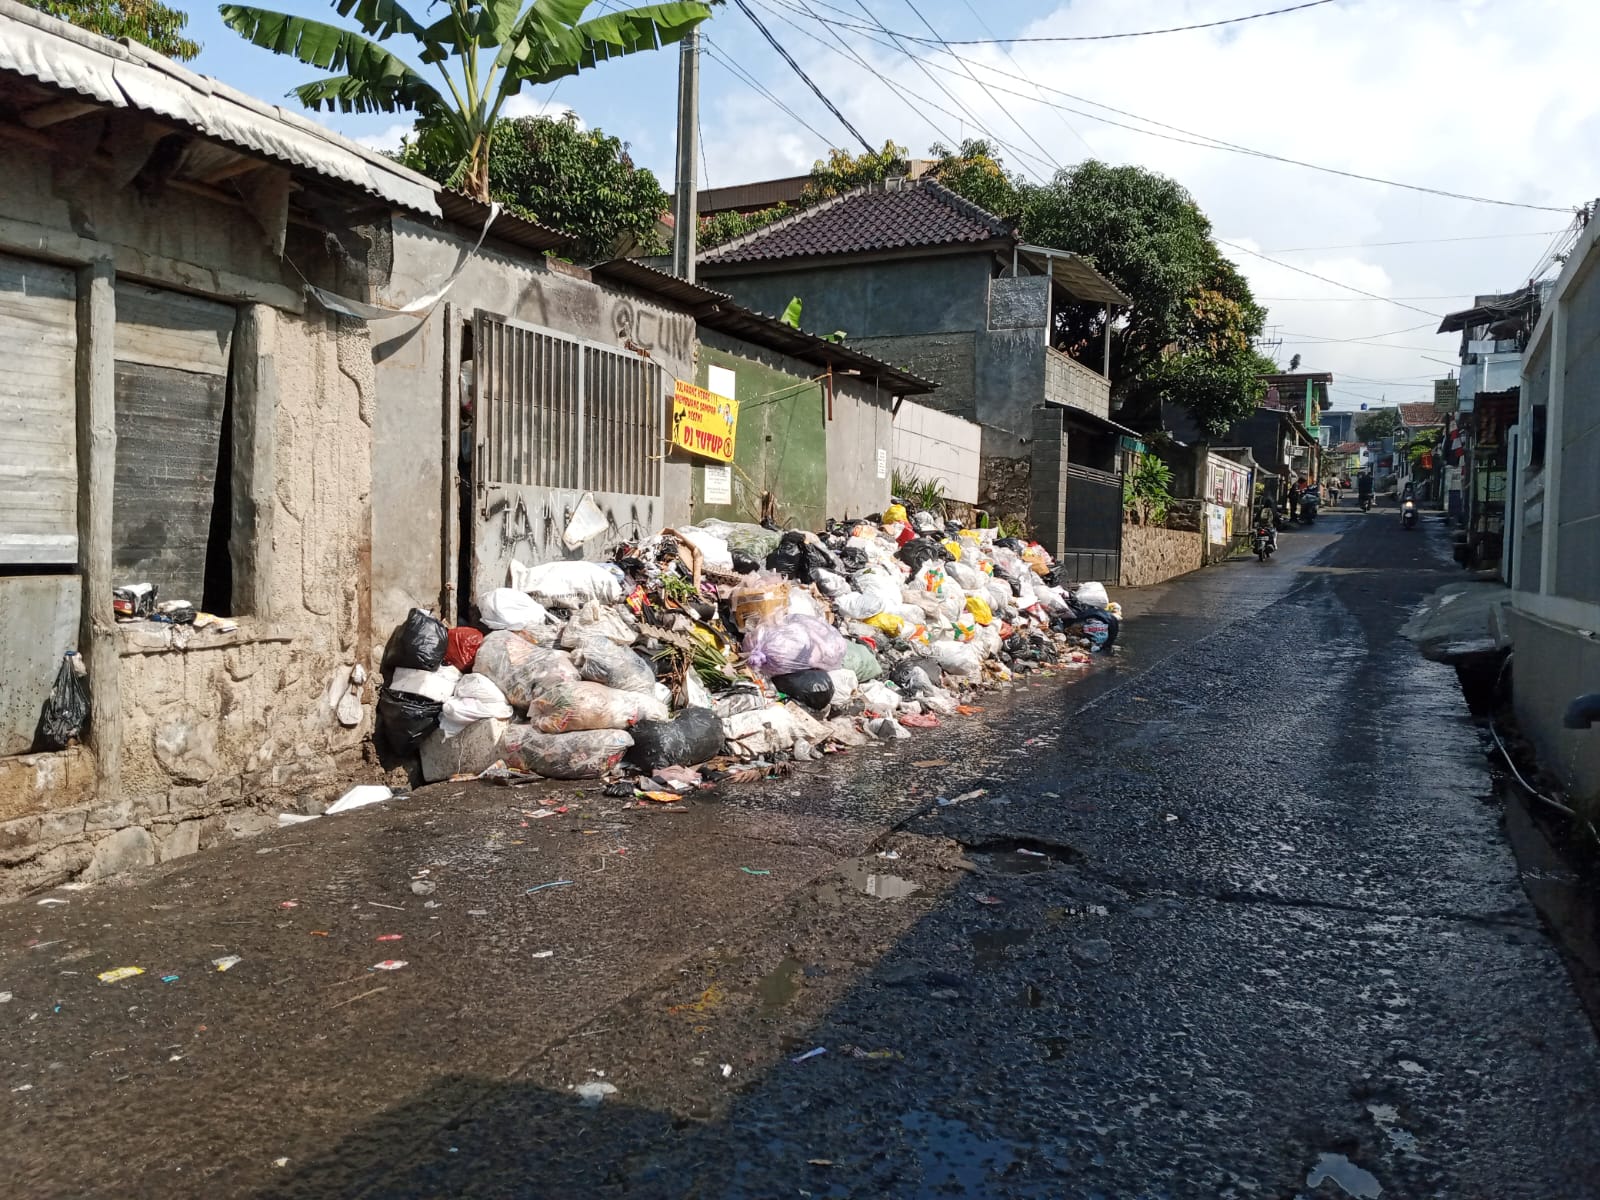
(289, 904)
(361, 995)
(5, 997)
(893, 855)
(818, 1052)
(169, 979)
(819, 1162)
(1032, 853)
(858, 1052)
(553, 884)
(1172, 816)
(381, 904)
(727, 1070)
(423, 887)
(226, 962)
(988, 900)
(928, 763)
(477, 912)
(755, 871)
(287, 819)
(120, 973)
(662, 797)
(50, 902)
(359, 797)
(545, 812)
(25, 1087)
(593, 1092)
(431, 904)
(544, 954)
(280, 1162)
(319, 933)
(390, 937)
(389, 964)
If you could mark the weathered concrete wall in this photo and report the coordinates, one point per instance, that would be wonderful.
(860, 441)
(1151, 554)
(935, 445)
(949, 359)
(415, 431)
(216, 732)
(1069, 382)
(1553, 663)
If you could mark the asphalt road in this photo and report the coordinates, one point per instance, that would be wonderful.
(1231, 916)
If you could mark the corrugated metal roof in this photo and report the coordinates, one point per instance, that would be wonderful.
(744, 197)
(1075, 273)
(508, 227)
(50, 51)
(718, 311)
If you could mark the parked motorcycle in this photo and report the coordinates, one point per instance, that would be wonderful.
(1308, 508)
(1408, 515)
(1264, 542)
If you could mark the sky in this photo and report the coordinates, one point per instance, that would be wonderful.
(1483, 99)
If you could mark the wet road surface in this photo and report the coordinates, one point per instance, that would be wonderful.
(1233, 916)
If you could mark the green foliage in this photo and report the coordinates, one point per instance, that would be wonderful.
(148, 22)
(975, 173)
(725, 227)
(791, 313)
(840, 172)
(579, 181)
(1147, 490)
(485, 51)
(917, 493)
(1379, 424)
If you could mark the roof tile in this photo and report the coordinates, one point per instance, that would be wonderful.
(919, 214)
(1417, 416)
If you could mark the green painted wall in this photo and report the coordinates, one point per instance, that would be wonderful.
(781, 445)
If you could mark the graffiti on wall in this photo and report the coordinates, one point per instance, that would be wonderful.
(655, 333)
(524, 524)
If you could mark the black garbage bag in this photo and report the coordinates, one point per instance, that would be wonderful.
(820, 558)
(420, 643)
(812, 688)
(788, 558)
(1100, 627)
(404, 719)
(744, 564)
(692, 737)
(918, 551)
(1010, 543)
(66, 712)
(911, 676)
(854, 559)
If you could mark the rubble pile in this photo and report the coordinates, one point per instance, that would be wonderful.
(733, 648)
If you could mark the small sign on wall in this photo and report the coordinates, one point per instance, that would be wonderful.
(883, 464)
(719, 485)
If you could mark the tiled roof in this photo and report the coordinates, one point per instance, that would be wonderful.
(870, 219)
(1347, 448)
(1418, 416)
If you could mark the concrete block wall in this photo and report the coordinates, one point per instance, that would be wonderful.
(936, 445)
(1047, 499)
(1069, 382)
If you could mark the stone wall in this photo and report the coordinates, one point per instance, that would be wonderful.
(1151, 554)
(215, 733)
(1005, 487)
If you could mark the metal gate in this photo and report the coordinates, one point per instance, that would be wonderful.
(1092, 547)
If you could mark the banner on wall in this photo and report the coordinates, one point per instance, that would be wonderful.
(703, 422)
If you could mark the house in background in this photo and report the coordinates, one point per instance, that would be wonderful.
(915, 275)
(1280, 442)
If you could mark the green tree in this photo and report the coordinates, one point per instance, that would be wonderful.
(1378, 424)
(485, 51)
(579, 181)
(975, 173)
(148, 22)
(842, 172)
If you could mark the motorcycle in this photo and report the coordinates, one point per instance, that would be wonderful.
(1408, 515)
(1308, 508)
(1366, 502)
(1264, 542)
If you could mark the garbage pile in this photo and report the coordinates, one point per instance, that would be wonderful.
(733, 648)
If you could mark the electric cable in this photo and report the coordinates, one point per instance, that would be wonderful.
(1324, 278)
(800, 71)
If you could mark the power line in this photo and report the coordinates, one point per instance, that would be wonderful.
(911, 4)
(1012, 59)
(1206, 141)
(1324, 278)
(1485, 237)
(751, 82)
(1354, 299)
(1110, 37)
(800, 71)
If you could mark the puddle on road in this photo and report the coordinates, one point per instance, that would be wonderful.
(954, 1158)
(1350, 1179)
(874, 883)
(780, 985)
(989, 947)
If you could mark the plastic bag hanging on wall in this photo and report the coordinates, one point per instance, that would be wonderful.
(587, 521)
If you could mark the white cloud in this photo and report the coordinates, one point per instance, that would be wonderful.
(1470, 97)
(524, 104)
(388, 138)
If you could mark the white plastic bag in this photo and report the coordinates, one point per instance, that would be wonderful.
(713, 549)
(858, 606)
(437, 685)
(597, 620)
(567, 584)
(1093, 595)
(520, 669)
(359, 797)
(881, 582)
(601, 660)
(582, 755)
(845, 684)
(830, 585)
(573, 707)
(881, 699)
(507, 608)
(587, 522)
(477, 698)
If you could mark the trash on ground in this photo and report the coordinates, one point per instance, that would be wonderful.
(815, 1053)
(755, 871)
(359, 797)
(226, 962)
(593, 1092)
(50, 902)
(169, 979)
(988, 900)
(423, 887)
(119, 973)
(543, 954)
(552, 884)
(389, 964)
(389, 937)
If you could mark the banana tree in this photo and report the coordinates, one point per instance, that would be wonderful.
(485, 51)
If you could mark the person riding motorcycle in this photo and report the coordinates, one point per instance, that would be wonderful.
(1267, 520)
(1364, 487)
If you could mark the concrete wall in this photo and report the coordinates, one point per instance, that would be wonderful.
(198, 736)
(1152, 554)
(935, 445)
(414, 450)
(1552, 663)
(860, 444)
(1069, 382)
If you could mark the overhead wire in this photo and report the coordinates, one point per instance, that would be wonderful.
(1486, 237)
(721, 57)
(1323, 278)
(800, 71)
(1015, 120)
(1012, 59)
(1189, 137)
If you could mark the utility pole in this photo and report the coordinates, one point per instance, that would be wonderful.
(686, 199)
